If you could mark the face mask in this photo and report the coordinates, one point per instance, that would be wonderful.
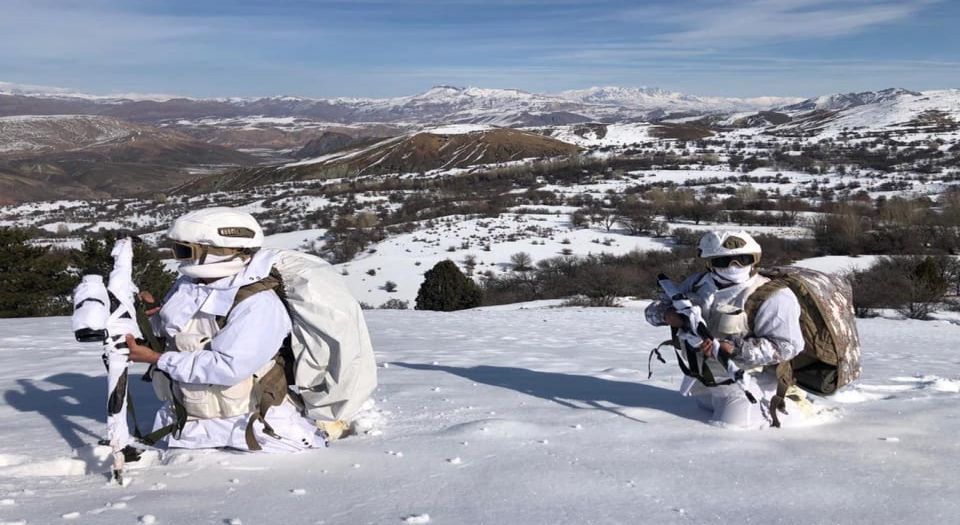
(734, 274)
(215, 267)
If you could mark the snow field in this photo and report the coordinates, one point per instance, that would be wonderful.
(404, 258)
(507, 416)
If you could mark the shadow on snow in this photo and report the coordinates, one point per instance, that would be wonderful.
(76, 405)
(568, 390)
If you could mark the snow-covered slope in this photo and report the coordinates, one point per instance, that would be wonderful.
(524, 416)
(892, 111)
(42, 133)
(839, 101)
(404, 258)
(589, 135)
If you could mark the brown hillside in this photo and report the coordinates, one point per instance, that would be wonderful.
(410, 154)
(96, 157)
(680, 131)
(428, 151)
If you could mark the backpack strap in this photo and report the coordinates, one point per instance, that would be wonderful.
(179, 413)
(270, 282)
(785, 377)
(157, 345)
(272, 389)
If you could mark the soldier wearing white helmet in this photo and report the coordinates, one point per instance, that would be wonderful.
(217, 347)
(757, 346)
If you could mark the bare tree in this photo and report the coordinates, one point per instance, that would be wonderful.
(522, 262)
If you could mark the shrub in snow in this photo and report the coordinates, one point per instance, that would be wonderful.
(395, 304)
(390, 286)
(445, 288)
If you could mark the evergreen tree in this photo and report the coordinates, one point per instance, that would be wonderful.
(445, 288)
(149, 272)
(34, 280)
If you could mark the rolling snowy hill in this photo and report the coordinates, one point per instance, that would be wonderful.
(912, 116)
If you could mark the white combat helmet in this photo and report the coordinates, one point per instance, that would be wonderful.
(727, 244)
(214, 242)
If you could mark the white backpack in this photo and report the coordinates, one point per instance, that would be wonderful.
(334, 367)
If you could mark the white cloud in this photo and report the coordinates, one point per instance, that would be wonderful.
(744, 23)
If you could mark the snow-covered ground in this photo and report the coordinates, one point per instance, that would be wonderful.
(838, 263)
(536, 416)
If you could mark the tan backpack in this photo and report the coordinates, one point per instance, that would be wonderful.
(831, 353)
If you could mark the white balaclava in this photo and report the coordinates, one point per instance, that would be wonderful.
(214, 267)
(734, 274)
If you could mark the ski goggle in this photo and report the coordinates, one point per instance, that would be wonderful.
(742, 260)
(190, 251)
(182, 250)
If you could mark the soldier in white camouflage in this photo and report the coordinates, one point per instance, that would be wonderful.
(757, 340)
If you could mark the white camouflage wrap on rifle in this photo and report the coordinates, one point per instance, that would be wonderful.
(122, 321)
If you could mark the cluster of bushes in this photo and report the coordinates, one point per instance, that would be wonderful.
(891, 226)
(914, 286)
(598, 279)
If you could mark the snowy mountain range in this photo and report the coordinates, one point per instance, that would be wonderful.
(440, 104)
(653, 99)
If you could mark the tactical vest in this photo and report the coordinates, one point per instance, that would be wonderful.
(212, 401)
(725, 310)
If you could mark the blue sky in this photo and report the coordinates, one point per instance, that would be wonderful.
(377, 48)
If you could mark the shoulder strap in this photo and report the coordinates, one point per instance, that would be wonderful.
(270, 282)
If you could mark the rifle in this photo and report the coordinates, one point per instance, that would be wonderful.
(692, 335)
(107, 315)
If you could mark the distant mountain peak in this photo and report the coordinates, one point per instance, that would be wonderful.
(840, 101)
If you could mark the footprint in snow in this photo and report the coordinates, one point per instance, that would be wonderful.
(417, 518)
(147, 519)
(70, 515)
(298, 492)
(455, 461)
